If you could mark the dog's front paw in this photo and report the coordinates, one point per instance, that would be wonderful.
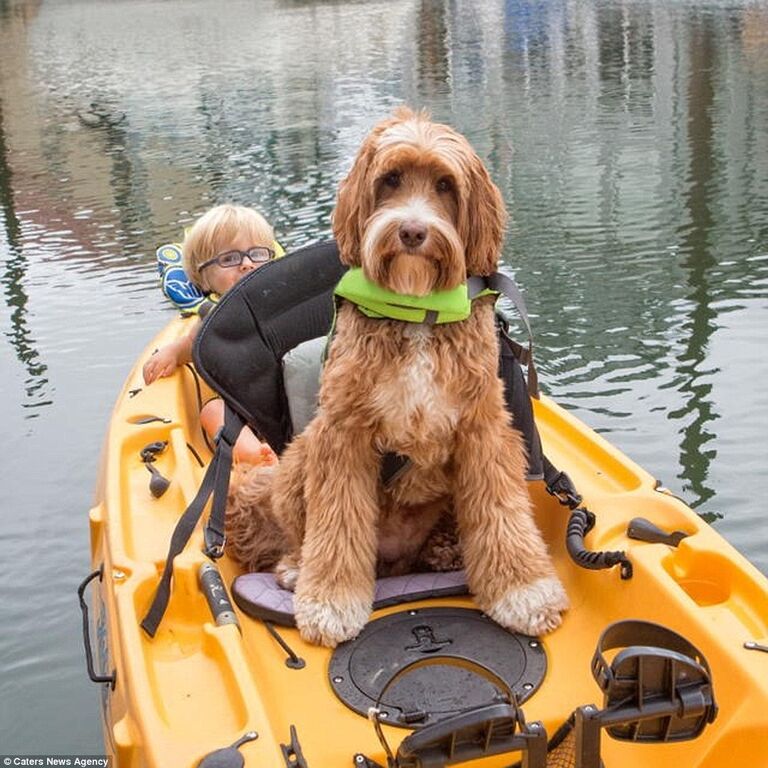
(533, 609)
(287, 573)
(330, 623)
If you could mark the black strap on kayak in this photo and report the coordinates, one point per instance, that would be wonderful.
(506, 286)
(560, 485)
(216, 482)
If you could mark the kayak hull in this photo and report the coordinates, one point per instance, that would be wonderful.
(197, 687)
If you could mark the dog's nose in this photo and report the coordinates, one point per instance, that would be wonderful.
(413, 233)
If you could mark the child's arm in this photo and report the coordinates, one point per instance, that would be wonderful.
(167, 359)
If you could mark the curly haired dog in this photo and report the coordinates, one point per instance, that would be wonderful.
(418, 212)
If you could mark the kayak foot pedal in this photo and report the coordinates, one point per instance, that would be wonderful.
(658, 688)
(481, 732)
(493, 728)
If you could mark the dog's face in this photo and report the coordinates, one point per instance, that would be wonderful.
(418, 211)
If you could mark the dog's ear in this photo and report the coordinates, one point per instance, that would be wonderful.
(354, 204)
(356, 200)
(482, 220)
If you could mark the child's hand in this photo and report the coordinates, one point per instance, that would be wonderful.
(162, 363)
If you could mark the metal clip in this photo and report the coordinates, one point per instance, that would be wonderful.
(563, 489)
(213, 544)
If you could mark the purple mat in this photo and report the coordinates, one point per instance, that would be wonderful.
(258, 595)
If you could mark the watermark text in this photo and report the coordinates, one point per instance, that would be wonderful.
(75, 761)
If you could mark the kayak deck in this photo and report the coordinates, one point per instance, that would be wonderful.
(197, 687)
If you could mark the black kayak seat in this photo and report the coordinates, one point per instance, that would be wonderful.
(241, 344)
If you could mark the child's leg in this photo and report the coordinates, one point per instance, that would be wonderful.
(248, 448)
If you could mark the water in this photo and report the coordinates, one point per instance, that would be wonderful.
(631, 144)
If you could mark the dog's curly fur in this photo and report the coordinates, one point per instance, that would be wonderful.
(418, 212)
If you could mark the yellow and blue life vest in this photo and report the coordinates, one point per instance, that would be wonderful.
(177, 286)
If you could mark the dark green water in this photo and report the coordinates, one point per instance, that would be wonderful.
(631, 144)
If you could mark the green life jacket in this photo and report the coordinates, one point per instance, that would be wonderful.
(436, 308)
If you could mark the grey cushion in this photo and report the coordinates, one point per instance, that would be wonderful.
(302, 367)
(258, 594)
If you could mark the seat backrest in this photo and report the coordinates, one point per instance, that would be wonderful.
(240, 347)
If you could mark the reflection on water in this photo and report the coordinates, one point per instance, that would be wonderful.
(699, 261)
(629, 139)
(13, 285)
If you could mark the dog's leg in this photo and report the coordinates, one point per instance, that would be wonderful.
(508, 567)
(288, 503)
(255, 540)
(334, 591)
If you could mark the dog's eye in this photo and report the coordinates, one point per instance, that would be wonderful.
(392, 179)
(444, 185)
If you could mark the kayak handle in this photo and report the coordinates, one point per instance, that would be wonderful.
(644, 530)
(212, 586)
(158, 485)
(579, 523)
(96, 678)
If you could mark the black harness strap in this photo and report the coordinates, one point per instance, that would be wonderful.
(216, 482)
(214, 536)
(505, 285)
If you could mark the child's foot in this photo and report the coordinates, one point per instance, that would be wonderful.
(250, 450)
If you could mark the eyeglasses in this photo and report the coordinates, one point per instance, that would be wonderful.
(258, 255)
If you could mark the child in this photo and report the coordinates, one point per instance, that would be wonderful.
(222, 246)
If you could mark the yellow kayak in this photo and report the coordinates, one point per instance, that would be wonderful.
(199, 686)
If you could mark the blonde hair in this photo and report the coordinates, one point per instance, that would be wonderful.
(215, 230)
